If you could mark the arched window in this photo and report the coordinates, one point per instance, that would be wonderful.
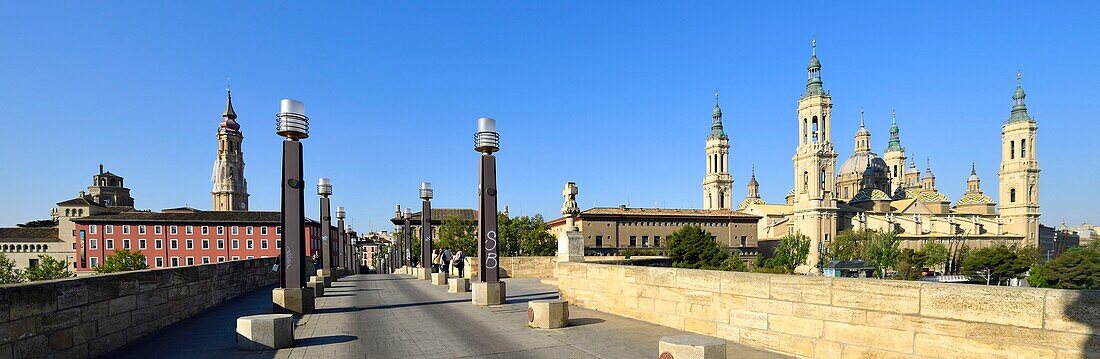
(1012, 195)
(895, 170)
(805, 129)
(805, 181)
(80, 212)
(1011, 149)
(1023, 148)
(68, 212)
(815, 127)
(1031, 193)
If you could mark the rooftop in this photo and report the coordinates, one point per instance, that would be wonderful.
(43, 234)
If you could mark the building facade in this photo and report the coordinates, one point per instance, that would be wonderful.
(717, 182)
(608, 230)
(880, 193)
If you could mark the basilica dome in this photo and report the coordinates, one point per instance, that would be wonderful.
(858, 163)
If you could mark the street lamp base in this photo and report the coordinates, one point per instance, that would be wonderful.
(488, 293)
(297, 301)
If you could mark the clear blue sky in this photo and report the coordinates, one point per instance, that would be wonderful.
(614, 96)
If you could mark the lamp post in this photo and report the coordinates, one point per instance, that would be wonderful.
(339, 242)
(406, 247)
(292, 124)
(324, 189)
(488, 290)
(426, 231)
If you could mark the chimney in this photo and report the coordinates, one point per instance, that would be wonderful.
(101, 169)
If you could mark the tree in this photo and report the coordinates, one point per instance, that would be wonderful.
(995, 264)
(909, 264)
(524, 236)
(49, 268)
(41, 223)
(692, 247)
(934, 254)
(1077, 268)
(734, 263)
(881, 251)
(122, 260)
(8, 273)
(458, 235)
(847, 245)
(791, 252)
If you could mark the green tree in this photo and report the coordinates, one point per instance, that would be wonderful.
(847, 245)
(909, 264)
(49, 268)
(791, 252)
(8, 273)
(995, 264)
(457, 234)
(881, 251)
(122, 260)
(524, 236)
(934, 254)
(414, 253)
(1077, 268)
(734, 263)
(692, 247)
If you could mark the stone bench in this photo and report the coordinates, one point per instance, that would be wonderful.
(458, 285)
(548, 313)
(691, 346)
(439, 278)
(265, 332)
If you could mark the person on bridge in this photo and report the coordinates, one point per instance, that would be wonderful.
(437, 258)
(445, 265)
(460, 262)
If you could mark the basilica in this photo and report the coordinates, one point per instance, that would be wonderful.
(882, 192)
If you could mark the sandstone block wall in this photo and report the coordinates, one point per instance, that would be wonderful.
(90, 316)
(518, 267)
(820, 317)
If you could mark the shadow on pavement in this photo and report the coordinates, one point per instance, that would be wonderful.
(417, 304)
(576, 322)
(331, 339)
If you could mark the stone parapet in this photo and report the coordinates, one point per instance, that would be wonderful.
(89, 316)
(518, 267)
(822, 317)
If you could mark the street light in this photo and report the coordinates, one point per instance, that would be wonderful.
(406, 248)
(341, 236)
(292, 124)
(488, 290)
(426, 229)
(324, 189)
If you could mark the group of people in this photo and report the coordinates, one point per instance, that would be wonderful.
(444, 260)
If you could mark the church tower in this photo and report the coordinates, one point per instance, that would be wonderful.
(895, 156)
(814, 212)
(717, 182)
(230, 188)
(1019, 175)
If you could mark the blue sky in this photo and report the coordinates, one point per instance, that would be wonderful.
(613, 95)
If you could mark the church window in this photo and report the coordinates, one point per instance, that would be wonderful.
(823, 180)
(815, 129)
(805, 181)
(1011, 149)
(895, 170)
(1023, 148)
(1031, 193)
(805, 130)
(1012, 195)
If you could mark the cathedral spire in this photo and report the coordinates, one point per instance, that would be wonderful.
(895, 138)
(716, 129)
(813, 80)
(1019, 108)
(229, 113)
(863, 137)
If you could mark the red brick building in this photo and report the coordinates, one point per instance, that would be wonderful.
(185, 236)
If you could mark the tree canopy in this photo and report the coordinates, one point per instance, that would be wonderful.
(49, 268)
(1077, 268)
(848, 245)
(881, 251)
(524, 236)
(458, 235)
(790, 253)
(998, 263)
(122, 260)
(692, 247)
(8, 272)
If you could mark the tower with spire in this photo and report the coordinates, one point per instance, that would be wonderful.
(895, 155)
(230, 188)
(1019, 173)
(814, 203)
(717, 182)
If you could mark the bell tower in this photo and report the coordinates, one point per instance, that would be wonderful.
(814, 203)
(230, 188)
(717, 182)
(1019, 175)
(895, 155)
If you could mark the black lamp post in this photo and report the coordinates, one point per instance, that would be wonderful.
(406, 232)
(292, 124)
(324, 189)
(340, 235)
(487, 141)
(426, 228)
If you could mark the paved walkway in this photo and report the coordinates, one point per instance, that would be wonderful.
(397, 316)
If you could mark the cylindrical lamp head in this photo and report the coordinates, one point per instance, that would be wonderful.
(324, 187)
(486, 140)
(408, 214)
(340, 213)
(426, 190)
(291, 122)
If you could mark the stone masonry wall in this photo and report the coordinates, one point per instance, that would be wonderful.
(821, 317)
(518, 267)
(90, 316)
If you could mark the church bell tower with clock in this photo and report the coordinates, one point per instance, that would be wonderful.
(230, 188)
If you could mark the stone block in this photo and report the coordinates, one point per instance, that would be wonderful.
(878, 338)
(265, 332)
(318, 285)
(439, 278)
(297, 301)
(458, 285)
(570, 246)
(990, 304)
(935, 346)
(424, 273)
(548, 314)
(881, 295)
(326, 276)
(749, 319)
(691, 346)
(797, 288)
(488, 293)
(1072, 311)
(794, 325)
(744, 284)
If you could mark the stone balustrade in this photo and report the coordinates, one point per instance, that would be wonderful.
(90, 316)
(822, 317)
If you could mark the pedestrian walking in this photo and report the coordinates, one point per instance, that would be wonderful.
(445, 264)
(437, 258)
(459, 263)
